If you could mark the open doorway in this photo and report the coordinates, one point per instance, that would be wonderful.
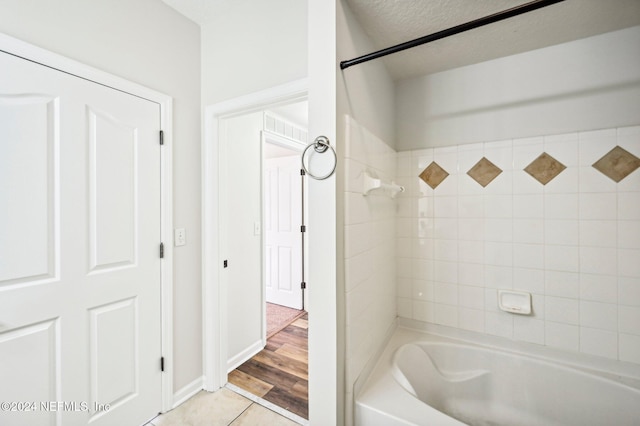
(260, 246)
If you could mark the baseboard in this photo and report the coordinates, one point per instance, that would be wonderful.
(188, 391)
(245, 355)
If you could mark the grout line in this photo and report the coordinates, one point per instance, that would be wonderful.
(267, 404)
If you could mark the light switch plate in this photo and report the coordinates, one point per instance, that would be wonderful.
(179, 237)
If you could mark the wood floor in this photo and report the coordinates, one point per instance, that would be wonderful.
(280, 372)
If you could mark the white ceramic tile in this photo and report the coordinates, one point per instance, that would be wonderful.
(468, 186)
(537, 306)
(447, 158)
(471, 251)
(445, 228)
(446, 250)
(500, 153)
(405, 307)
(562, 284)
(356, 209)
(468, 156)
(629, 319)
(405, 227)
(446, 293)
(404, 164)
(445, 315)
(499, 254)
(471, 229)
(357, 238)
(422, 189)
(528, 231)
(562, 258)
(403, 286)
(629, 234)
(445, 207)
(629, 291)
(594, 144)
(524, 183)
(491, 300)
(598, 233)
(357, 269)
(423, 311)
(423, 248)
(598, 260)
(498, 324)
(471, 206)
(498, 276)
(471, 274)
(528, 329)
(591, 180)
(404, 268)
(528, 206)
(498, 230)
(215, 408)
(404, 247)
(629, 348)
(561, 232)
(445, 272)
(628, 205)
(597, 342)
(422, 290)
(498, 206)
(599, 315)
(528, 255)
(471, 319)
(598, 206)
(421, 158)
(560, 309)
(423, 269)
(405, 207)
(562, 336)
(561, 206)
(599, 288)
(425, 207)
(449, 186)
(471, 297)
(629, 263)
(529, 280)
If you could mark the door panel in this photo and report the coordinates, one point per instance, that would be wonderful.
(283, 215)
(79, 240)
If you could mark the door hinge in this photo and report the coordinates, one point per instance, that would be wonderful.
(161, 137)
(161, 250)
(302, 173)
(303, 285)
(161, 363)
(225, 263)
(303, 228)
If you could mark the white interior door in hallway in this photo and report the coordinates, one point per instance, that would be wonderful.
(80, 311)
(282, 221)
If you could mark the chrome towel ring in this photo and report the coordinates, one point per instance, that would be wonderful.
(320, 145)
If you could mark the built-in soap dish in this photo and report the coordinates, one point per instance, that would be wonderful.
(516, 302)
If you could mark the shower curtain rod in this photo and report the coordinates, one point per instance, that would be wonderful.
(514, 11)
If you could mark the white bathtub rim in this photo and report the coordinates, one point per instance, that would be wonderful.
(623, 372)
(382, 394)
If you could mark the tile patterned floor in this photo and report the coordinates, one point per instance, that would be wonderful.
(221, 408)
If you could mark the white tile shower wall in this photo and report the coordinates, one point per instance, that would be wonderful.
(573, 243)
(370, 253)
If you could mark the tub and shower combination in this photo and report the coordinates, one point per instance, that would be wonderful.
(427, 379)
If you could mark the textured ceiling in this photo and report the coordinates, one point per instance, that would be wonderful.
(390, 22)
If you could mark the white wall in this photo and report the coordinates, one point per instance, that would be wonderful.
(253, 45)
(365, 94)
(149, 43)
(586, 84)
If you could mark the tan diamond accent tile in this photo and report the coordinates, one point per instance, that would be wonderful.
(484, 171)
(617, 164)
(545, 168)
(433, 175)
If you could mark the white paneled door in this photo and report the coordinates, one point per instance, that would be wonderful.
(79, 250)
(283, 218)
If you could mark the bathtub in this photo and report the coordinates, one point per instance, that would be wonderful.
(426, 379)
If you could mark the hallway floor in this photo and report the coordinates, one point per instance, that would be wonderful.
(221, 408)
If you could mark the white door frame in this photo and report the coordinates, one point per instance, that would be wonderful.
(214, 287)
(41, 56)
